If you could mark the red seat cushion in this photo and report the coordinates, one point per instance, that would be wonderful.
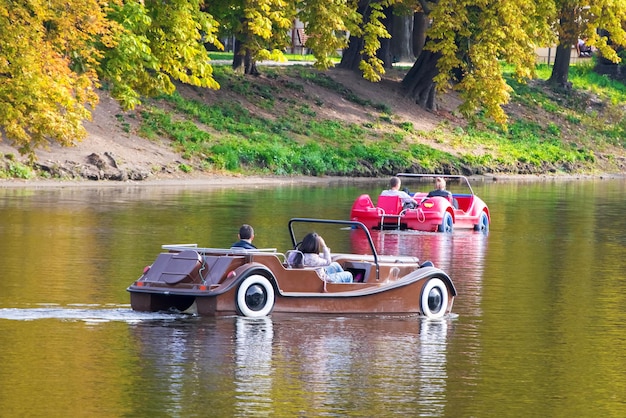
(390, 204)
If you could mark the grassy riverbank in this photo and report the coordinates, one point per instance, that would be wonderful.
(273, 124)
(294, 120)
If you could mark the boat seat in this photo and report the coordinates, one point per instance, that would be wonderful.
(446, 195)
(216, 267)
(174, 268)
(390, 207)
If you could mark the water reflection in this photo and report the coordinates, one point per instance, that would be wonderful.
(432, 390)
(537, 330)
(253, 373)
(92, 313)
(286, 366)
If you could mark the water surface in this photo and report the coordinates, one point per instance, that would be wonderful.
(537, 328)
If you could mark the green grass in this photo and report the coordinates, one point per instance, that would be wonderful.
(559, 133)
(11, 168)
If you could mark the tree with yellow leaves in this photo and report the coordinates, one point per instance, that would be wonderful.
(152, 43)
(465, 44)
(260, 29)
(328, 23)
(54, 55)
(600, 22)
(47, 69)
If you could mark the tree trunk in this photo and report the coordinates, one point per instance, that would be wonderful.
(419, 83)
(560, 71)
(420, 24)
(384, 52)
(351, 56)
(568, 36)
(243, 61)
(402, 39)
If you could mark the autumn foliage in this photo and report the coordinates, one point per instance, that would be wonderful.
(55, 55)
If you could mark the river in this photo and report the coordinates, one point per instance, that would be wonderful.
(537, 327)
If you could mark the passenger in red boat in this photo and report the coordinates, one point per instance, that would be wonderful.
(246, 235)
(394, 190)
(440, 190)
(309, 256)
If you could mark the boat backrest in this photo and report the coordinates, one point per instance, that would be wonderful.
(173, 268)
(465, 202)
(390, 204)
(216, 267)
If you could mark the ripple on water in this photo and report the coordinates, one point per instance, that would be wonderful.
(87, 313)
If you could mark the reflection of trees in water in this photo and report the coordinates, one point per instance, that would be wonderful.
(182, 362)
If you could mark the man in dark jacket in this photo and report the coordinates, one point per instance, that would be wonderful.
(246, 235)
(440, 190)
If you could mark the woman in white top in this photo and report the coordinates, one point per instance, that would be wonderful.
(310, 248)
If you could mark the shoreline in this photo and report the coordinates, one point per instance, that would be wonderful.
(225, 181)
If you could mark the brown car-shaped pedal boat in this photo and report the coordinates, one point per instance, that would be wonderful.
(257, 283)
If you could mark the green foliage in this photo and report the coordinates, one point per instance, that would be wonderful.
(406, 126)
(328, 22)
(431, 158)
(602, 85)
(525, 143)
(15, 169)
(153, 43)
(250, 143)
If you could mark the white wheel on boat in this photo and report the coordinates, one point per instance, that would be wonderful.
(434, 299)
(255, 297)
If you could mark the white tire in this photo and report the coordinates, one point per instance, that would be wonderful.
(434, 299)
(255, 297)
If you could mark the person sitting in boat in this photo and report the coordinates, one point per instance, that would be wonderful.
(246, 235)
(394, 190)
(440, 190)
(308, 255)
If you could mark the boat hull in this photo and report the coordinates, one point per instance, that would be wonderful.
(357, 298)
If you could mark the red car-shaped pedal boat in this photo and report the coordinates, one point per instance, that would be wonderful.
(462, 209)
(255, 283)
